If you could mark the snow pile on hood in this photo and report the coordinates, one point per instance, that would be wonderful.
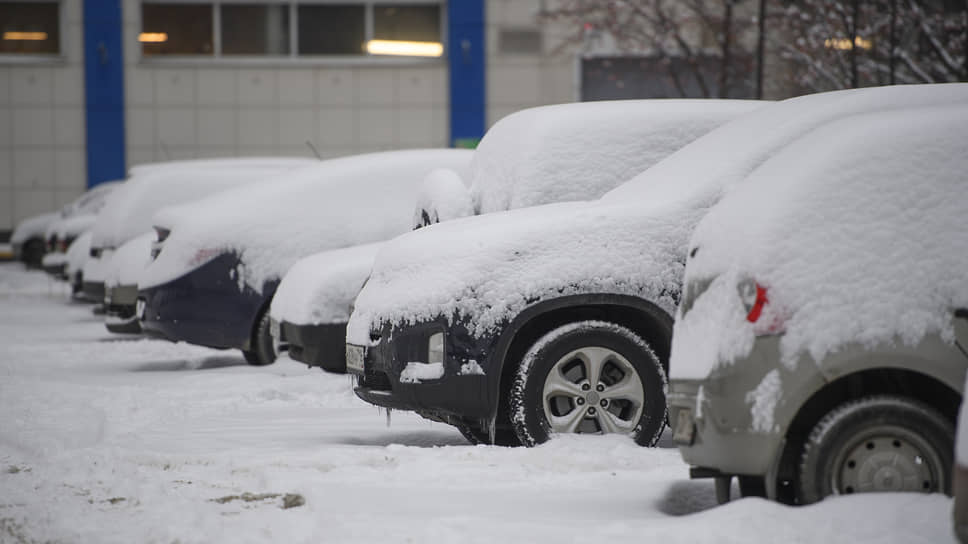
(78, 253)
(31, 227)
(856, 231)
(129, 261)
(338, 203)
(632, 241)
(442, 196)
(320, 288)
(129, 210)
(579, 151)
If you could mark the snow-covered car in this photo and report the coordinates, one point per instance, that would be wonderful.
(519, 325)
(121, 283)
(27, 239)
(820, 345)
(75, 258)
(219, 261)
(128, 211)
(75, 218)
(531, 157)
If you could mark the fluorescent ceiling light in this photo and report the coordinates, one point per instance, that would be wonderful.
(153, 37)
(27, 36)
(409, 49)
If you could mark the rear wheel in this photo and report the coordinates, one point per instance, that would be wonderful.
(880, 443)
(262, 352)
(589, 377)
(32, 252)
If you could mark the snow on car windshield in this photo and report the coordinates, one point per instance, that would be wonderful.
(338, 203)
(856, 230)
(580, 151)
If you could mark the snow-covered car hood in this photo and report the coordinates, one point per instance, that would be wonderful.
(129, 261)
(320, 288)
(71, 226)
(129, 208)
(78, 253)
(32, 226)
(857, 236)
(338, 203)
(631, 241)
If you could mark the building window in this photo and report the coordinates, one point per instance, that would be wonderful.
(176, 29)
(31, 28)
(332, 30)
(309, 28)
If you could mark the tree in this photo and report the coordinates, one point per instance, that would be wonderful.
(839, 44)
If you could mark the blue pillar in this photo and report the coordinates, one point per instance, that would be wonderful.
(104, 90)
(467, 57)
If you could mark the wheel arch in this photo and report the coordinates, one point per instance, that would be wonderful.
(643, 317)
(902, 382)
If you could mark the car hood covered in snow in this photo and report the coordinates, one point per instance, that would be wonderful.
(338, 203)
(856, 231)
(320, 288)
(631, 241)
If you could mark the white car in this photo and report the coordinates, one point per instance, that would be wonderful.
(76, 218)
(521, 325)
(220, 260)
(531, 157)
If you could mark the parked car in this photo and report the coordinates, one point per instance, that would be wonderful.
(75, 218)
(531, 157)
(128, 212)
(219, 261)
(520, 325)
(820, 345)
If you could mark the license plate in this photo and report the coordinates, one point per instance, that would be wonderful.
(139, 309)
(354, 358)
(685, 428)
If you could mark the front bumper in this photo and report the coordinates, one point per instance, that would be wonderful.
(459, 393)
(317, 345)
(205, 306)
(721, 427)
(120, 302)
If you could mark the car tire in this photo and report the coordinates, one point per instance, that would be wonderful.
(262, 352)
(32, 253)
(477, 435)
(877, 443)
(554, 390)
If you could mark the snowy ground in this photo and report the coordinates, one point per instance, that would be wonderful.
(107, 438)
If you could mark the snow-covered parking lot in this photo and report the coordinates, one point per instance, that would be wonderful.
(106, 438)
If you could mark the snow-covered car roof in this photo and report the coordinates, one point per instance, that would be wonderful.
(631, 241)
(32, 226)
(856, 230)
(129, 209)
(579, 151)
(337, 203)
(320, 288)
(92, 200)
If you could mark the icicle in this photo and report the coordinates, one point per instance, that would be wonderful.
(492, 429)
(388, 417)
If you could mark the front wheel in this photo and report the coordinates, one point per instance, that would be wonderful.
(879, 443)
(262, 352)
(589, 377)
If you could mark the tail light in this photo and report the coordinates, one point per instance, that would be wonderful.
(766, 320)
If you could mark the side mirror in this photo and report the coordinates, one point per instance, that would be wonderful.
(442, 196)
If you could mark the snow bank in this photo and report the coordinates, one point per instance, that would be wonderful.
(78, 253)
(579, 151)
(129, 209)
(632, 241)
(320, 288)
(857, 232)
(129, 261)
(338, 203)
(31, 227)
